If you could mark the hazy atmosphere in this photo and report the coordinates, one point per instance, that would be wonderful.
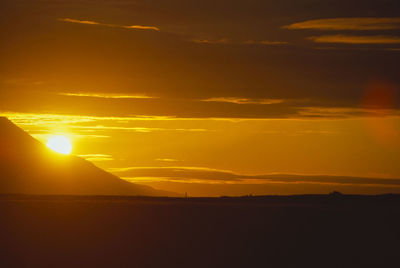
(199, 133)
(212, 97)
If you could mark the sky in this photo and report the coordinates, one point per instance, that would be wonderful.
(212, 97)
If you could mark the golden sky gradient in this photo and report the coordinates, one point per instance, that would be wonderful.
(212, 98)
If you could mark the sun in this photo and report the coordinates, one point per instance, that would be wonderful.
(60, 144)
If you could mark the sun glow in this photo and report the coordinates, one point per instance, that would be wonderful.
(60, 144)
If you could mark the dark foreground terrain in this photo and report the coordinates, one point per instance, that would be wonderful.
(297, 231)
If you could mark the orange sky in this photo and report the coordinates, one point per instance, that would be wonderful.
(211, 98)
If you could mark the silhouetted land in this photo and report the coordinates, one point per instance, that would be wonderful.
(28, 167)
(294, 231)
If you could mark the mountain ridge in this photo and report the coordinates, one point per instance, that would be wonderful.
(29, 167)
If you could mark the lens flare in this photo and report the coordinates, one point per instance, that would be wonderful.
(380, 99)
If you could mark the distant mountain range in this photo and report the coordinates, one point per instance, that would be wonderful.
(29, 167)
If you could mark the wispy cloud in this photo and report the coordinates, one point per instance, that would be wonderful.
(209, 175)
(304, 111)
(44, 135)
(272, 43)
(140, 27)
(138, 129)
(21, 82)
(106, 95)
(359, 24)
(245, 100)
(196, 174)
(266, 42)
(50, 119)
(89, 22)
(80, 21)
(166, 160)
(92, 123)
(248, 42)
(210, 41)
(97, 157)
(355, 39)
(335, 112)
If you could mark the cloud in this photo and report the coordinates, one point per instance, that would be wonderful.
(97, 157)
(44, 135)
(138, 129)
(140, 27)
(234, 110)
(245, 100)
(272, 43)
(355, 39)
(209, 175)
(209, 41)
(340, 112)
(29, 119)
(248, 42)
(89, 22)
(106, 96)
(92, 123)
(21, 82)
(166, 160)
(336, 24)
(80, 21)
(266, 42)
(176, 173)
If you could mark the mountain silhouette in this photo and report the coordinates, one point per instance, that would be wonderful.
(29, 167)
